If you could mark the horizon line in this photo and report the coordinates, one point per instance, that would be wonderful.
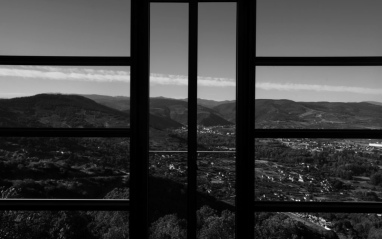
(21, 95)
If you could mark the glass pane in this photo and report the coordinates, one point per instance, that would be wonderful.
(64, 224)
(216, 52)
(318, 97)
(318, 169)
(64, 97)
(168, 120)
(217, 176)
(216, 76)
(70, 168)
(317, 225)
(65, 28)
(216, 133)
(318, 28)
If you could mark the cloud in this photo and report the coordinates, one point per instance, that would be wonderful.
(95, 75)
(73, 74)
(319, 88)
(180, 80)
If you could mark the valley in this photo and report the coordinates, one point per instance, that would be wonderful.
(285, 169)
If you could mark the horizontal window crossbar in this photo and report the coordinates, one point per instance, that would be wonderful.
(318, 133)
(188, 1)
(65, 61)
(65, 132)
(334, 207)
(318, 61)
(65, 204)
(175, 152)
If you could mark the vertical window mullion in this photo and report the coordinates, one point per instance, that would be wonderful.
(245, 120)
(139, 119)
(192, 119)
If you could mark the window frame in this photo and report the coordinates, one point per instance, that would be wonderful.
(138, 133)
(245, 49)
(290, 206)
(66, 204)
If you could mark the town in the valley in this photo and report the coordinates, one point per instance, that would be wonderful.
(318, 170)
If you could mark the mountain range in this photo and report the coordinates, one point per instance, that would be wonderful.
(317, 115)
(100, 111)
(167, 112)
(59, 111)
(90, 111)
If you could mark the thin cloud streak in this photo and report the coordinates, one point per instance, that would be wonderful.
(319, 88)
(67, 74)
(180, 80)
(92, 75)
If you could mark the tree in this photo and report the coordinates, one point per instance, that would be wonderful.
(169, 227)
(375, 233)
(376, 178)
(216, 227)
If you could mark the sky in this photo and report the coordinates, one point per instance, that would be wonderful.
(31, 80)
(102, 28)
(70, 27)
(319, 28)
(318, 83)
(65, 28)
(216, 50)
(284, 28)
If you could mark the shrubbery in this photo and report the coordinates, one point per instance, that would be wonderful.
(210, 225)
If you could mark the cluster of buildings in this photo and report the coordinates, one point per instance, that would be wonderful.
(330, 145)
(315, 219)
(218, 177)
(294, 184)
(169, 165)
(217, 129)
(216, 174)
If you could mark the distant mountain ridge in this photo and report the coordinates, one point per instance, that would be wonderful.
(59, 111)
(227, 110)
(211, 103)
(90, 111)
(121, 103)
(165, 112)
(317, 115)
(177, 110)
(373, 102)
(97, 111)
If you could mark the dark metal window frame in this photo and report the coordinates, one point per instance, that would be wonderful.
(57, 204)
(343, 207)
(67, 204)
(244, 118)
(139, 63)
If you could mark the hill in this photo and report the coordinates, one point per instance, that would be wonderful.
(59, 111)
(177, 110)
(121, 103)
(373, 102)
(227, 110)
(161, 123)
(317, 115)
(211, 103)
(75, 111)
(166, 112)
